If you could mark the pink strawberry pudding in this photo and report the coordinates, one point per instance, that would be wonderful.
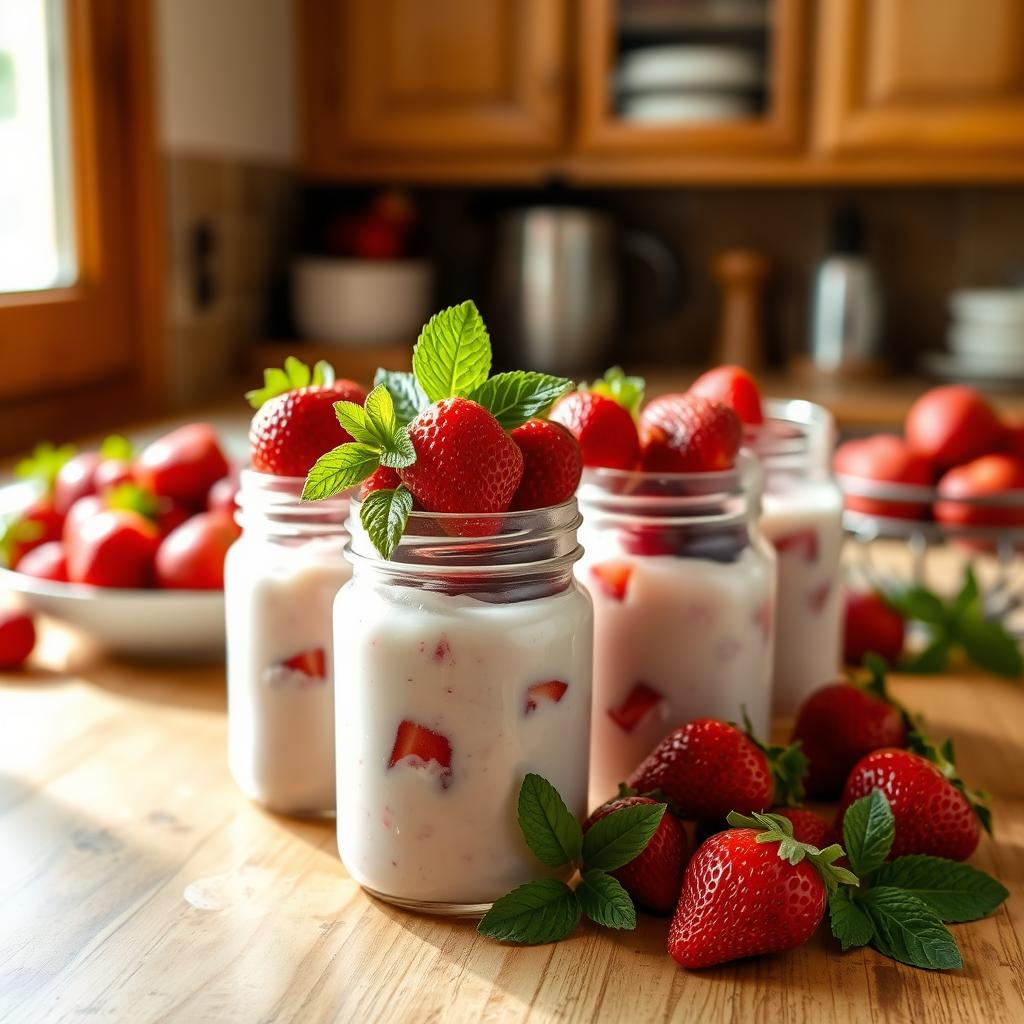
(684, 587)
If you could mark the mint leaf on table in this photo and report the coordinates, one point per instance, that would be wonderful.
(605, 901)
(550, 830)
(850, 924)
(339, 469)
(296, 374)
(908, 930)
(621, 836)
(933, 658)
(512, 398)
(407, 395)
(969, 595)
(384, 515)
(917, 602)
(868, 832)
(627, 391)
(453, 353)
(988, 645)
(537, 912)
(954, 891)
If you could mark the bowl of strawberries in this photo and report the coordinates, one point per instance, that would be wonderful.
(126, 546)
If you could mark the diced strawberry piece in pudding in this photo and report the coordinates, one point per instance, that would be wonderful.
(422, 745)
(443, 650)
(553, 690)
(818, 597)
(804, 542)
(310, 663)
(764, 617)
(612, 578)
(641, 701)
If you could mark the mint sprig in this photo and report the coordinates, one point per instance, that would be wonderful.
(512, 398)
(384, 515)
(549, 910)
(900, 905)
(405, 392)
(453, 353)
(616, 385)
(296, 374)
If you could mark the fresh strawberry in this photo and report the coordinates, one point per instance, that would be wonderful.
(688, 434)
(36, 525)
(735, 387)
(111, 473)
(841, 723)
(552, 691)
(871, 625)
(465, 462)
(17, 638)
(383, 478)
(74, 480)
(884, 459)
(80, 513)
(552, 464)
(113, 548)
(655, 877)
(611, 578)
(749, 891)
(604, 429)
(46, 562)
(191, 557)
(933, 811)
(984, 477)
(182, 465)
(422, 746)
(311, 663)
(708, 768)
(639, 703)
(223, 496)
(952, 425)
(808, 826)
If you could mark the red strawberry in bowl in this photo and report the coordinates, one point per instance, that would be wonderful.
(552, 465)
(182, 465)
(689, 434)
(884, 459)
(191, 556)
(984, 477)
(295, 422)
(952, 425)
(604, 429)
(115, 547)
(46, 562)
(735, 387)
(655, 877)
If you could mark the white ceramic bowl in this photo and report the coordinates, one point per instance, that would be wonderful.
(987, 340)
(692, 108)
(988, 305)
(659, 68)
(361, 302)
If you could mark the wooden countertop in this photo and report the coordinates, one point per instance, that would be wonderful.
(137, 884)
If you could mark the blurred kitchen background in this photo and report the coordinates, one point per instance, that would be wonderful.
(827, 191)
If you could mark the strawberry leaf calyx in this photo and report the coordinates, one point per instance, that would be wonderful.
(943, 757)
(118, 447)
(295, 374)
(132, 498)
(875, 684)
(788, 765)
(452, 355)
(616, 385)
(44, 463)
(14, 532)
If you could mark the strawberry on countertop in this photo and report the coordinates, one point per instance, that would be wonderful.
(808, 826)
(17, 637)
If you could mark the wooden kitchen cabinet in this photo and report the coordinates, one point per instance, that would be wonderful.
(921, 77)
(431, 79)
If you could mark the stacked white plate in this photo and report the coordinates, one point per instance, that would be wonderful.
(687, 83)
(985, 337)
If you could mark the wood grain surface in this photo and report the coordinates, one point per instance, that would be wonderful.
(136, 884)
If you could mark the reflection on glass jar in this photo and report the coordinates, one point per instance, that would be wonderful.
(684, 588)
(467, 665)
(802, 517)
(280, 580)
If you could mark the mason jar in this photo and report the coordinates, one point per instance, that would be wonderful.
(467, 665)
(683, 584)
(280, 580)
(802, 510)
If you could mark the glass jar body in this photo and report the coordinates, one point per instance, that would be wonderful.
(280, 580)
(683, 613)
(446, 700)
(802, 517)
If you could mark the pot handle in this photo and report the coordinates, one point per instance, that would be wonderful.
(650, 249)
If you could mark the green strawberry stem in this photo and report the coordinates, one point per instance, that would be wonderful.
(943, 758)
(773, 828)
(627, 391)
(788, 765)
(875, 684)
(296, 374)
(43, 465)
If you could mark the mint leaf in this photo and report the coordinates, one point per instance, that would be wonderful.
(296, 374)
(339, 469)
(353, 418)
(988, 645)
(405, 393)
(380, 412)
(909, 931)
(399, 451)
(453, 353)
(868, 832)
(116, 446)
(621, 836)
(968, 597)
(931, 659)
(375, 425)
(537, 912)
(627, 391)
(850, 925)
(605, 901)
(512, 398)
(955, 891)
(918, 603)
(549, 829)
(384, 515)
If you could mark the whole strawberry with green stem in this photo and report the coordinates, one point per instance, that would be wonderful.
(750, 890)
(39, 523)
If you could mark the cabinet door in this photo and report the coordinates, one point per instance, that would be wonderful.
(434, 76)
(914, 76)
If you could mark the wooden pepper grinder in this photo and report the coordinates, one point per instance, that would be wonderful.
(742, 275)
